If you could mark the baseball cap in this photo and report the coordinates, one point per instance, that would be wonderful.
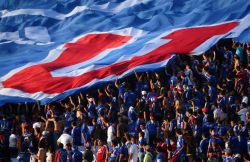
(204, 109)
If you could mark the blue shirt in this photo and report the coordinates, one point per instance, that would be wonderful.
(76, 135)
(84, 129)
(179, 121)
(204, 146)
(132, 114)
(124, 151)
(91, 110)
(180, 143)
(152, 127)
(228, 159)
(233, 144)
(63, 155)
(77, 156)
(221, 130)
(160, 157)
(114, 152)
(129, 98)
(212, 94)
(173, 80)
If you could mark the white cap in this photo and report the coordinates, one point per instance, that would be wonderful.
(245, 99)
(143, 92)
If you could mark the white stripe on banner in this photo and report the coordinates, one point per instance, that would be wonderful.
(43, 12)
(33, 35)
(108, 7)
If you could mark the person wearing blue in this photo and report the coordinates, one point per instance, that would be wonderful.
(152, 127)
(212, 93)
(203, 147)
(77, 155)
(179, 118)
(113, 152)
(69, 152)
(233, 142)
(141, 144)
(243, 133)
(76, 133)
(132, 115)
(123, 156)
(228, 156)
(159, 155)
(129, 98)
(85, 132)
(61, 154)
(180, 150)
(221, 129)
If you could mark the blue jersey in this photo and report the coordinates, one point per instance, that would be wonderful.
(180, 143)
(129, 98)
(152, 127)
(124, 151)
(233, 144)
(114, 153)
(76, 135)
(227, 159)
(204, 146)
(160, 157)
(77, 156)
(62, 155)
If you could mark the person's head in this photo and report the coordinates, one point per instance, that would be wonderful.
(241, 124)
(142, 126)
(151, 116)
(228, 152)
(204, 136)
(74, 124)
(213, 132)
(60, 145)
(243, 105)
(123, 140)
(133, 140)
(189, 112)
(50, 149)
(141, 134)
(114, 143)
(213, 143)
(158, 149)
(232, 123)
(100, 143)
(185, 119)
(178, 132)
(88, 145)
(230, 132)
(68, 146)
(187, 66)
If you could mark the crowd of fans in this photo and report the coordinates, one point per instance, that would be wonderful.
(196, 109)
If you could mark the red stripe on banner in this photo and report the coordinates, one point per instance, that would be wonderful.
(37, 78)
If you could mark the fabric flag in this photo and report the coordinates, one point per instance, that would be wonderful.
(51, 49)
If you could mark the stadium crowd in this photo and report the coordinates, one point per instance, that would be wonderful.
(196, 109)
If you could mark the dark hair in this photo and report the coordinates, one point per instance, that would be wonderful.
(158, 149)
(60, 145)
(123, 140)
(178, 131)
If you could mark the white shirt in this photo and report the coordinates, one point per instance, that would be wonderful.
(110, 133)
(12, 140)
(146, 135)
(65, 139)
(217, 113)
(37, 125)
(48, 155)
(243, 114)
(245, 99)
(134, 151)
